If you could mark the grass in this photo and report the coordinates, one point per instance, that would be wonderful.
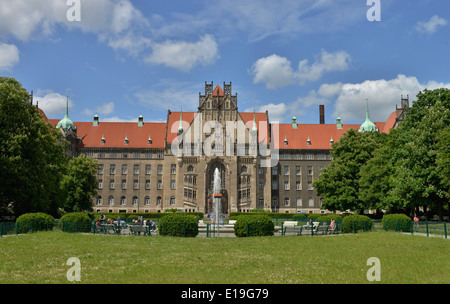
(106, 259)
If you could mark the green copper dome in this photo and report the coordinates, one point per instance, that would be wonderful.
(368, 126)
(66, 123)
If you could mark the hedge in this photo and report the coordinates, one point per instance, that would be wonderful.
(75, 222)
(178, 224)
(397, 222)
(34, 222)
(127, 217)
(254, 225)
(355, 223)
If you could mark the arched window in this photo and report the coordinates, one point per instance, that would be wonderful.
(286, 201)
(243, 169)
(147, 200)
(310, 202)
(123, 200)
(135, 200)
(111, 200)
(299, 201)
(99, 200)
(190, 169)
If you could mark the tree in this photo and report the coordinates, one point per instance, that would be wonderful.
(79, 184)
(417, 178)
(339, 182)
(31, 154)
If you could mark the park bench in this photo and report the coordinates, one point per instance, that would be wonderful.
(138, 229)
(109, 228)
(323, 229)
(310, 230)
(291, 228)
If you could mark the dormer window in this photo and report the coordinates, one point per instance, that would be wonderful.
(285, 141)
(103, 140)
(127, 140)
(308, 142)
(149, 141)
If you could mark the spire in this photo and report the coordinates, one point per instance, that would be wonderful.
(254, 129)
(368, 125)
(66, 123)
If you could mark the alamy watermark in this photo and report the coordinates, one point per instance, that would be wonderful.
(374, 12)
(374, 272)
(74, 272)
(74, 12)
(213, 139)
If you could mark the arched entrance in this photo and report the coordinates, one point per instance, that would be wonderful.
(209, 178)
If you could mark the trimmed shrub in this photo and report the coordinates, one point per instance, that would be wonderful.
(254, 225)
(355, 223)
(397, 222)
(34, 222)
(75, 222)
(178, 224)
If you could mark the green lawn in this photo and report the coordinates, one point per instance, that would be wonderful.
(41, 258)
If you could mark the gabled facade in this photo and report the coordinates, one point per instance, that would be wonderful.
(150, 167)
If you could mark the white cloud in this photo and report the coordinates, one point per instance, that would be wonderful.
(330, 90)
(103, 109)
(185, 55)
(431, 26)
(52, 103)
(328, 62)
(383, 95)
(9, 56)
(276, 71)
(277, 112)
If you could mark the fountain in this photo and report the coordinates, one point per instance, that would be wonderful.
(217, 197)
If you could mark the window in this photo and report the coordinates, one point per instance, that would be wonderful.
(100, 184)
(111, 184)
(321, 156)
(159, 184)
(125, 154)
(123, 200)
(190, 169)
(310, 202)
(286, 155)
(136, 169)
(172, 200)
(172, 184)
(261, 184)
(286, 185)
(100, 169)
(261, 202)
(286, 170)
(299, 201)
(274, 185)
(298, 156)
(148, 155)
(124, 184)
(298, 170)
(101, 154)
(137, 155)
(147, 200)
(135, 200)
(275, 170)
(320, 169)
(124, 169)
(275, 201)
(111, 200)
(160, 169)
(260, 170)
(243, 169)
(148, 169)
(309, 156)
(298, 185)
(99, 200)
(147, 184)
(310, 187)
(173, 169)
(310, 170)
(135, 184)
(286, 201)
(158, 201)
(112, 169)
(112, 154)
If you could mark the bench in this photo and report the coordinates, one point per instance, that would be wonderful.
(310, 230)
(109, 228)
(138, 229)
(291, 228)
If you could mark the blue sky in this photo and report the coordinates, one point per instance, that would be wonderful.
(125, 58)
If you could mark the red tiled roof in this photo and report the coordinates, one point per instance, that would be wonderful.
(261, 123)
(389, 123)
(318, 134)
(173, 123)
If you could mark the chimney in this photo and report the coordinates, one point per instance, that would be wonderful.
(322, 114)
